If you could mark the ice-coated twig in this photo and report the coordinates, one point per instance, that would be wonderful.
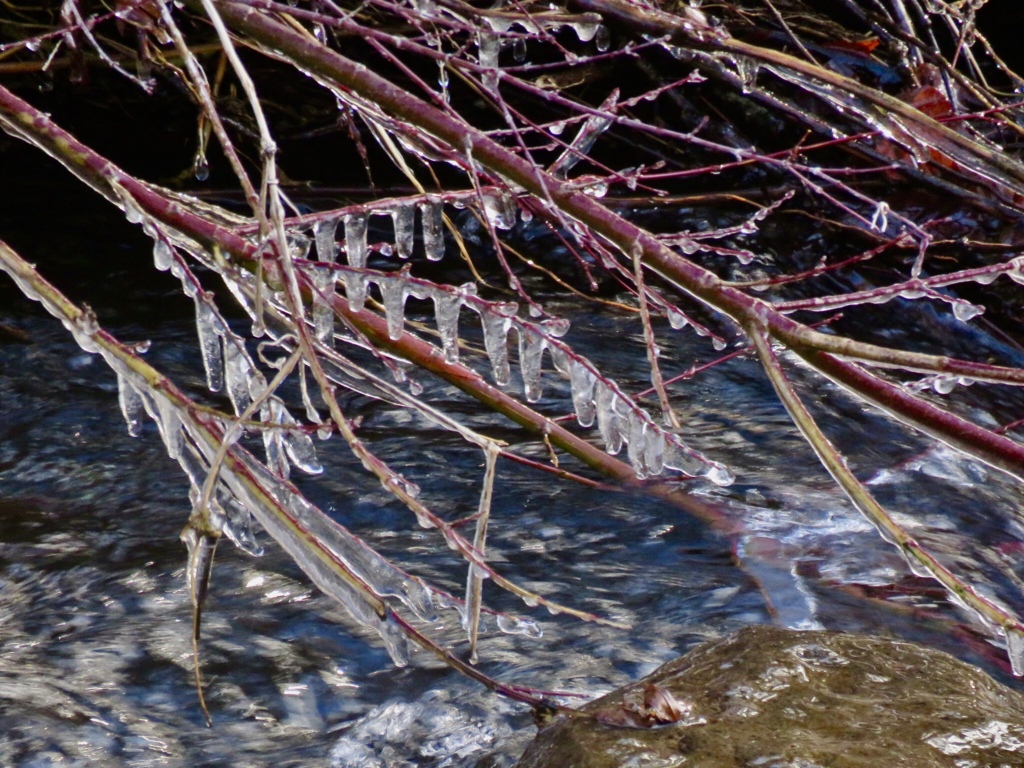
(592, 128)
(920, 561)
(474, 579)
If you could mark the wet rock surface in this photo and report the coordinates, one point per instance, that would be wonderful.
(775, 698)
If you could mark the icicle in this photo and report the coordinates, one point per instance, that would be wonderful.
(592, 128)
(238, 524)
(531, 349)
(608, 418)
(237, 372)
(1015, 650)
(207, 327)
(355, 250)
(289, 443)
(635, 445)
(488, 48)
(277, 461)
(169, 422)
(163, 255)
(496, 326)
(299, 447)
(395, 641)
(446, 313)
(654, 450)
(404, 217)
(500, 209)
(131, 405)
(324, 233)
(432, 218)
(323, 278)
(393, 292)
(295, 528)
(581, 382)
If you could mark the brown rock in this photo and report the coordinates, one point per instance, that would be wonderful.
(776, 698)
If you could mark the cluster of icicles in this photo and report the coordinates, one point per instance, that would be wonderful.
(272, 501)
(620, 421)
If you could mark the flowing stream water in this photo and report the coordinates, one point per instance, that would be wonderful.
(95, 620)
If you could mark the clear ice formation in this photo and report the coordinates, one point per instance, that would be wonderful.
(496, 325)
(324, 233)
(289, 444)
(488, 48)
(131, 405)
(432, 221)
(584, 141)
(323, 278)
(622, 423)
(163, 255)
(446, 313)
(238, 370)
(208, 328)
(531, 350)
(393, 292)
(404, 217)
(355, 251)
(582, 382)
(500, 208)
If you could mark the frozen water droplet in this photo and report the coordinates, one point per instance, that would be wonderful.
(496, 327)
(500, 209)
(556, 129)
(519, 50)
(602, 38)
(944, 384)
(676, 319)
(208, 329)
(163, 255)
(719, 474)
(587, 30)
(531, 349)
(324, 233)
(432, 216)
(582, 381)
(718, 343)
(131, 405)
(964, 311)
(393, 293)
(512, 625)
(404, 217)
(200, 167)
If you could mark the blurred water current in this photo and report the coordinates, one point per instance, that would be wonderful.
(95, 657)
